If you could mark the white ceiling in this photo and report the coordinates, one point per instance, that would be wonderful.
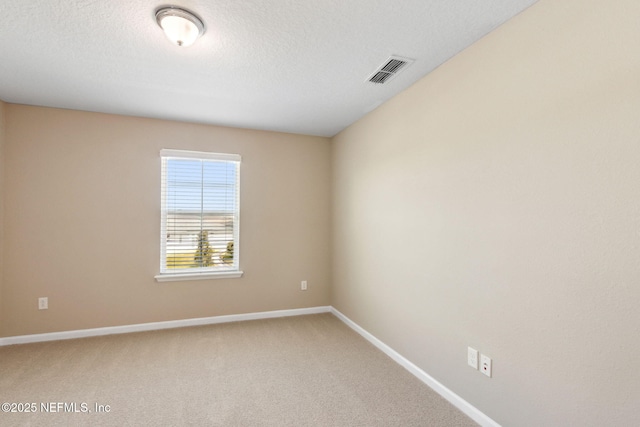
(284, 65)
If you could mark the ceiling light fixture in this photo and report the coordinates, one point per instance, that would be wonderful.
(181, 26)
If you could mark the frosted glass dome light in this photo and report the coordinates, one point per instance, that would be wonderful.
(180, 26)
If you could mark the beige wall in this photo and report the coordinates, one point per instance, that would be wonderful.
(496, 204)
(82, 221)
(2, 126)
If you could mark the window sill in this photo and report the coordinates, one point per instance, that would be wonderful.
(176, 277)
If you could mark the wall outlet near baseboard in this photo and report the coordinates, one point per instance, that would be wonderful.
(485, 365)
(303, 285)
(43, 303)
(472, 357)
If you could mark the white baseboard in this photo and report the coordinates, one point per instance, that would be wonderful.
(464, 406)
(141, 327)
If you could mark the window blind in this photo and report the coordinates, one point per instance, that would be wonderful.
(200, 212)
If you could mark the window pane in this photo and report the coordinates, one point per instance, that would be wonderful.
(200, 214)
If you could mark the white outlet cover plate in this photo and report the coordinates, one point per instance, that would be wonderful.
(485, 365)
(472, 357)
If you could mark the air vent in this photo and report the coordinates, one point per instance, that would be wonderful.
(380, 77)
(390, 68)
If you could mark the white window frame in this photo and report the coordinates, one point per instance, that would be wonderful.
(199, 273)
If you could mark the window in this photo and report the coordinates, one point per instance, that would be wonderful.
(200, 215)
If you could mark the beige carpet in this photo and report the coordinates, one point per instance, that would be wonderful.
(296, 371)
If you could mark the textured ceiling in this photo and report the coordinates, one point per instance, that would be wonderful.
(285, 65)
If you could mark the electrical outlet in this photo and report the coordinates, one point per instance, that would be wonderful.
(303, 285)
(472, 357)
(485, 365)
(43, 303)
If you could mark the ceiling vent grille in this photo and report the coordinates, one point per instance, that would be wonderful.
(389, 69)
